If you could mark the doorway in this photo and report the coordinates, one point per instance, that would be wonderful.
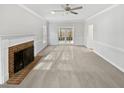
(90, 36)
(65, 35)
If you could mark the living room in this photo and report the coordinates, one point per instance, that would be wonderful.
(61, 45)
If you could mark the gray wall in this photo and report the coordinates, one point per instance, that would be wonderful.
(78, 31)
(108, 34)
(15, 20)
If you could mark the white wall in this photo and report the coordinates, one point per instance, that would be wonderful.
(109, 34)
(78, 31)
(0, 65)
(15, 20)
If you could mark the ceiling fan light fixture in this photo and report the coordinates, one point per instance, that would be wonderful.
(67, 12)
(67, 9)
(53, 12)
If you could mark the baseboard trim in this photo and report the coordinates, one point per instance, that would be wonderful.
(108, 45)
(119, 68)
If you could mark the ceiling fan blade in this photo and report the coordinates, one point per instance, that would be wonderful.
(67, 4)
(76, 8)
(73, 12)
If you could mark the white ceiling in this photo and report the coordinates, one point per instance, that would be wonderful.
(87, 11)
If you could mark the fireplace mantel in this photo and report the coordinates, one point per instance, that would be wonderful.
(6, 42)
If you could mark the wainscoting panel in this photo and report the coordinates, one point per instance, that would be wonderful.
(113, 55)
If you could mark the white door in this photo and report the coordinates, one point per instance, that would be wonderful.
(90, 36)
(65, 36)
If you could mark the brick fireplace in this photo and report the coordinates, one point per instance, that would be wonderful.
(11, 49)
(14, 50)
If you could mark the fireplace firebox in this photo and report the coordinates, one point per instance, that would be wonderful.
(23, 58)
(21, 61)
(20, 56)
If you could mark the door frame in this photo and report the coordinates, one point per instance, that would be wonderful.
(64, 27)
(90, 36)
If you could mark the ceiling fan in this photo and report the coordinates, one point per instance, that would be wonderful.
(67, 9)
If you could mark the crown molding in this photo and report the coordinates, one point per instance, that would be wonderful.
(31, 11)
(67, 21)
(103, 11)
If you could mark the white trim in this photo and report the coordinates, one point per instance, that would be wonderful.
(110, 46)
(31, 11)
(119, 68)
(101, 12)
